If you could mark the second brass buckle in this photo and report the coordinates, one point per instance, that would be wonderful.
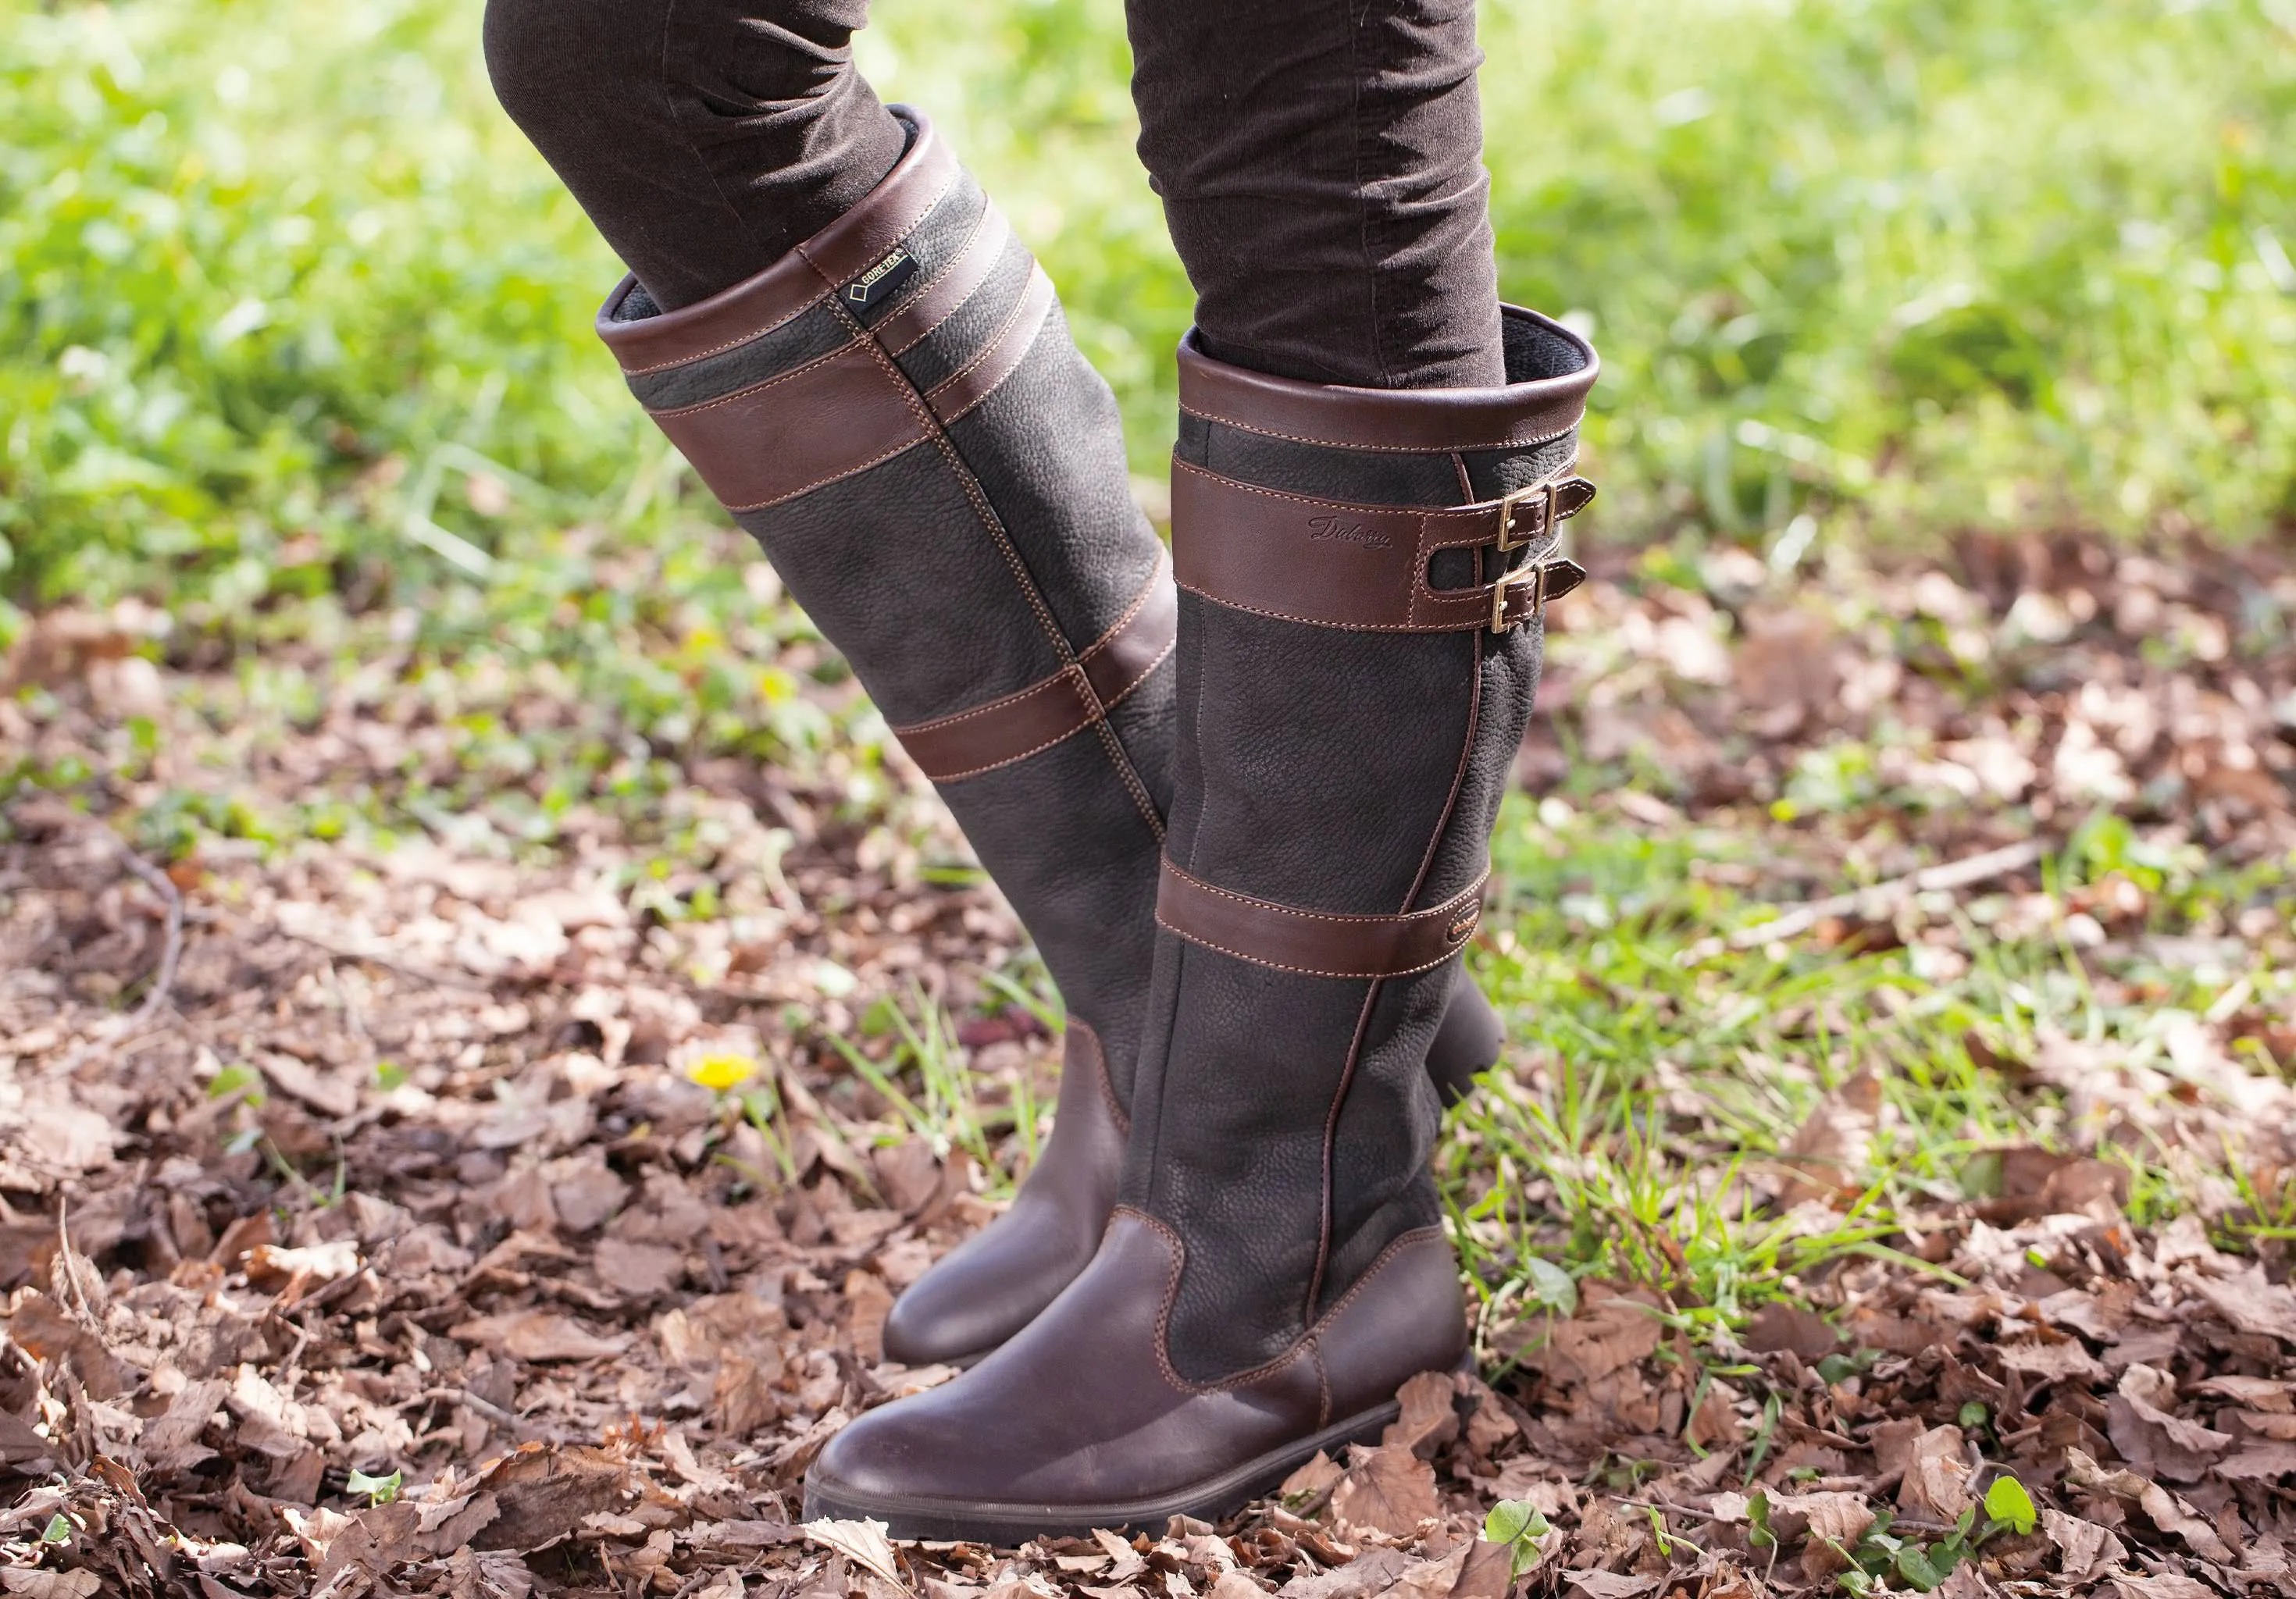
(1531, 575)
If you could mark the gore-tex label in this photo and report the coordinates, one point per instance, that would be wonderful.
(877, 286)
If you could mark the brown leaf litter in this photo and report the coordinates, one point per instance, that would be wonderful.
(396, 1252)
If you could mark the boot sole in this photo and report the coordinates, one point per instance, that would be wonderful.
(994, 1522)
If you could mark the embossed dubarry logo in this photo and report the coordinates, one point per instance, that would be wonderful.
(1343, 530)
(1462, 925)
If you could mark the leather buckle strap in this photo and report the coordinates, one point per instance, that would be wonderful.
(1316, 943)
(1365, 568)
(1053, 709)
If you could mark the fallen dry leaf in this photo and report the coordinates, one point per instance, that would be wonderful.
(1387, 1488)
(862, 1542)
(538, 1335)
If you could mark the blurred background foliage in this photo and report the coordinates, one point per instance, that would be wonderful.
(288, 309)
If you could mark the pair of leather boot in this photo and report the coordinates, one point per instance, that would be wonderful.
(1245, 820)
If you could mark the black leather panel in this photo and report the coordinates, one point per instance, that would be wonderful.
(1063, 492)
(894, 566)
(814, 333)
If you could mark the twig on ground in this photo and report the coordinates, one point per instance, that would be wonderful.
(172, 952)
(376, 957)
(1876, 902)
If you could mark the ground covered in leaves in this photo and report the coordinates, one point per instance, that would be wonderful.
(472, 1085)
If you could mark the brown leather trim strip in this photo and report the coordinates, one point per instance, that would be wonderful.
(1053, 709)
(1122, 658)
(785, 438)
(1413, 420)
(932, 304)
(975, 381)
(846, 247)
(1363, 568)
(1316, 943)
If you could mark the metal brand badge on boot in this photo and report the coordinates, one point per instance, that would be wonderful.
(877, 286)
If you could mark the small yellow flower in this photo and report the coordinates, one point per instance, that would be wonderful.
(720, 1068)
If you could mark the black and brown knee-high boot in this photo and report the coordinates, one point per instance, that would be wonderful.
(1363, 577)
(897, 414)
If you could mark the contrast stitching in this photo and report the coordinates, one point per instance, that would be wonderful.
(996, 345)
(756, 333)
(736, 343)
(1059, 738)
(1094, 707)
(1067, 674)
(1371, 997)
(1307, 1335)
(1164, 1322)
(1144, 674)
(1406, 916)
(1389, 449)
(1255, 959)
(1317, 622)
(936, 431)
(988, 213)
(1424, 512)
(1100, 1076)
(1139, 604)
(914, 223)
(836, 477)
(759, 388)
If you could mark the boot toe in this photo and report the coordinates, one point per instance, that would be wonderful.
(896, 1453)
(944, 1318)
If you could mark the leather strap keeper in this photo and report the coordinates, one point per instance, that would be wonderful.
(1364, 568)
(1316, 943)
(1056, 707)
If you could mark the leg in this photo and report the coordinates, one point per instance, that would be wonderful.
(1320, 163)
(705, 138)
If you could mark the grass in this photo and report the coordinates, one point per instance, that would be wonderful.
(288, 308)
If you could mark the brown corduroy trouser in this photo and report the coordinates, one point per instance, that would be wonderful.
(1319, 160)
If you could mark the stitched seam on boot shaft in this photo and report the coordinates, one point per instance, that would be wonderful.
(990, 216)
(836, 477)
(1381, 449)
(866, 335)
(1107, 1084)
(1343, 917)
(1426, 864)
(1472, 625)
(1305, 1344)
(1261, 961)
(994, 526)
(1098, 715)
(773, 381)
(1038, 287)
(1098, 647)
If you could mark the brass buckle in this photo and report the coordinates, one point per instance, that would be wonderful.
(1531, 575)
(1544, 489)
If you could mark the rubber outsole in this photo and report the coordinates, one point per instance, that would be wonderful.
(990, 1521)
